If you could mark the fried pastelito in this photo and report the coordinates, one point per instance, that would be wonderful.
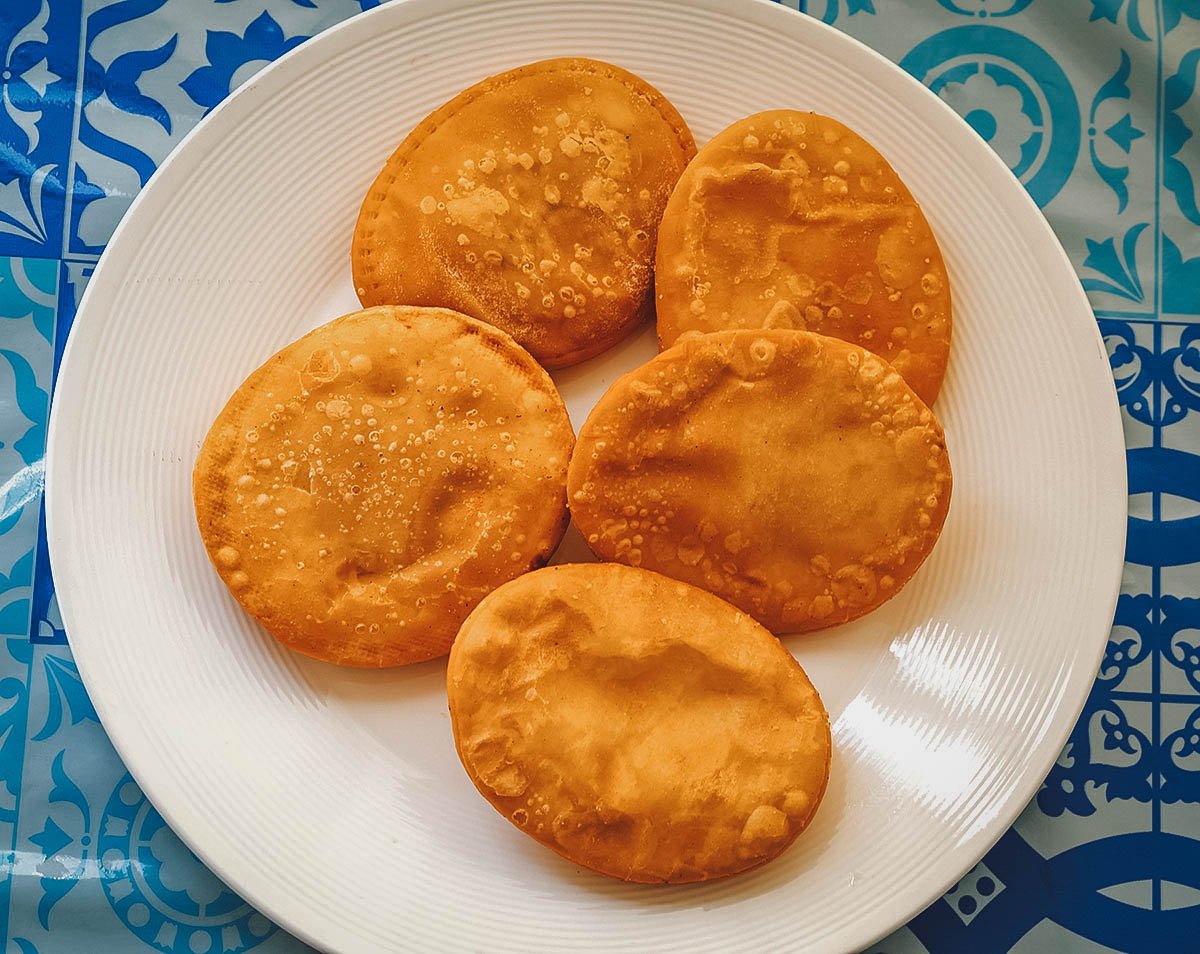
(530, 201)
(370, 483)
(636, 725)
(792, 220)
(795, 475)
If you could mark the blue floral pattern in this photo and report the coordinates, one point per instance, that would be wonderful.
(1134, 15)
(160, 891)
(1178, 92)
(1119, 269)
(37, 84)
(1122, 133)
(229, 54)
(1013, 93)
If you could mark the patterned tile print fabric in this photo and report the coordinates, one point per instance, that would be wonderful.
(1093, 104)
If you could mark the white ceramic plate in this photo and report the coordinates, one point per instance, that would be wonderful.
(333, 800)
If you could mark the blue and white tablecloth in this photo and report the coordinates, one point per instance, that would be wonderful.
(1094, 106)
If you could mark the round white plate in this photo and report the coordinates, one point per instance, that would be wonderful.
(332, 799)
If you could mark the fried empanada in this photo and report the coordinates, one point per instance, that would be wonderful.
(530, 201)
(791, 220)
(636, 725)
(795, 475)
(370, 483)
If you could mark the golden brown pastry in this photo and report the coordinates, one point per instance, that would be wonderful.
(370, 483)
(791, 220)
(795, 475)
(530, 201)
(635, 725)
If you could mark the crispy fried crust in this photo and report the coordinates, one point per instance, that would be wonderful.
(368, 485)
(795, 475)
(636, 725)
(530, 201)
(791, 220)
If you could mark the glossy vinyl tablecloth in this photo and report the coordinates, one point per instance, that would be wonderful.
(1092, 103)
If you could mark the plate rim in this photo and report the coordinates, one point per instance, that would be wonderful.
(315, 50)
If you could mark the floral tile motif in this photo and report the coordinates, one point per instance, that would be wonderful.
(28, 298)
(1107, 767)
(1180, 176)
(44, 622)
(1013, 92)
(38, 72)
(28, 303)
(1179, 511)
(88, 841)
(1073, 112)
(1076, 143)
(152, 69)
(16, 656)
(1180, 364)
